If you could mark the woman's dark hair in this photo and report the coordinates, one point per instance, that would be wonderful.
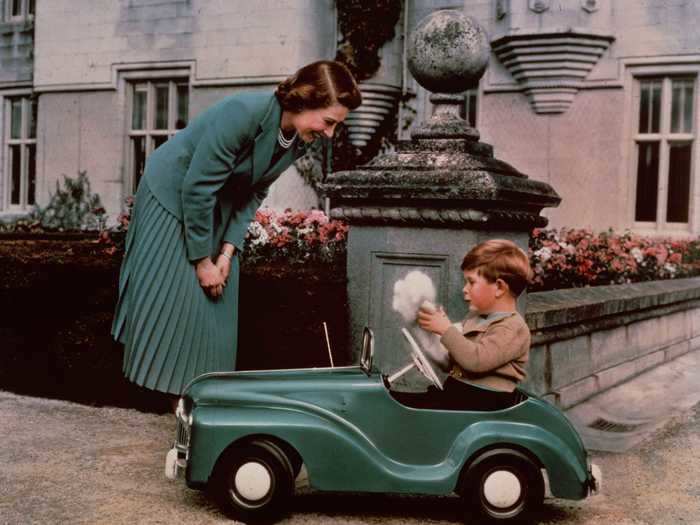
(319, 85)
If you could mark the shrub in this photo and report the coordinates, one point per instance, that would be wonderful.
(570, 258)
(22, 225)
(115, 237)
(73, 207)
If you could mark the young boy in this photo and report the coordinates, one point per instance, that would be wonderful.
(492, 349)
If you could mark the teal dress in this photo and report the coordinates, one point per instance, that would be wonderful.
(201, 188)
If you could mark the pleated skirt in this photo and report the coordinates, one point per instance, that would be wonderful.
(171, 329)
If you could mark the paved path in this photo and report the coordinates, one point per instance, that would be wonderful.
(67, 463)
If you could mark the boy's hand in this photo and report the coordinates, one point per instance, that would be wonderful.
(435, 321)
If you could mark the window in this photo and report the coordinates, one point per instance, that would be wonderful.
(20, 151)
(19, 9)
(468, 110)
(158, 110)
(664, 141)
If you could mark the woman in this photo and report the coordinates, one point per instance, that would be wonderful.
(178, 288)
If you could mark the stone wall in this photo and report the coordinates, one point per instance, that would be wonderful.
(586, 340)
(79, 44)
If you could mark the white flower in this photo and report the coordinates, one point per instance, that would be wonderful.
(568, 248)
(258, 235)
(543, 254)
(637, 254)
(276, 227)
(671, 269)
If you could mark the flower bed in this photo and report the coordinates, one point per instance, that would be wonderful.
(570, 258)
(295, 239)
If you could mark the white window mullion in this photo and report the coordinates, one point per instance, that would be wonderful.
(24, 153)
(150, 117)
(665, 129)
(6, 200)
(693, 218)
(172, 107)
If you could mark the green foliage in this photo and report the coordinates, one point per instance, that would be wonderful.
(21, 225)
(73, 207)
(366, 25)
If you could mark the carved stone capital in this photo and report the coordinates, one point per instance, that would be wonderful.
(550, 67)
(440, 218)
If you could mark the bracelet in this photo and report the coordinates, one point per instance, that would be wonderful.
(229, 257)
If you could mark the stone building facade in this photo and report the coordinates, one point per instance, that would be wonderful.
(596, 97)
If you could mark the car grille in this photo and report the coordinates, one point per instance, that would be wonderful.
(182, 435)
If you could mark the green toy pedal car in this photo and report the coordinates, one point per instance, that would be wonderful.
(246, 435)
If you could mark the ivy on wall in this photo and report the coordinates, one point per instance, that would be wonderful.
(365, 26)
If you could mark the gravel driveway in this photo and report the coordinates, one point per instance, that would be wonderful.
(68, 463)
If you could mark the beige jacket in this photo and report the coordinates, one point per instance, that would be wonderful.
(492, 353)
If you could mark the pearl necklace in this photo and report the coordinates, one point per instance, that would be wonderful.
(285, 143)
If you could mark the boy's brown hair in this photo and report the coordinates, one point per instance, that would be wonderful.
(500, 259)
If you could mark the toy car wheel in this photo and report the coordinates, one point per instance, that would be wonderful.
(253, 482)
(503, 486)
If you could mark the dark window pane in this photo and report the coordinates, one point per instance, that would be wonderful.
(688, 108)
(138, 148)
(682, 105)
(468, 110)
(16, 7)
(655, 107)
(676, 104)
(158, 140)
(647, 181)
(678, 183)
(16, 119)
(33, 117)
(161, 115)
(31, 175)
(183, 106)
(31, 7)
(138, 117)
(15, 174)
(471, 109)
(644, 90)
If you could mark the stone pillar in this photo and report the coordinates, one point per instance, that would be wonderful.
(426, 204)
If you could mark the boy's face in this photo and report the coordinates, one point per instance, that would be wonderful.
(479, 292)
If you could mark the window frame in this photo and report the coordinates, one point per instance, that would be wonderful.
(24, 142)
(150, 80)
(25, 12)
(665, 72)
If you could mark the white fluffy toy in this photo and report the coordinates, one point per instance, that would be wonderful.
(414, 290)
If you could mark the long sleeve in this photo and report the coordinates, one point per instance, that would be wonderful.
(230, 129)
(238, 224)
(501, 344)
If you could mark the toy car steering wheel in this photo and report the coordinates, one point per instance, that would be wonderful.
(419, 359)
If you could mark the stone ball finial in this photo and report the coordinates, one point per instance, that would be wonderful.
(448, 52)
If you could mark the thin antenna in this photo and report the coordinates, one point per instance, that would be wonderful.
(328, 343)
